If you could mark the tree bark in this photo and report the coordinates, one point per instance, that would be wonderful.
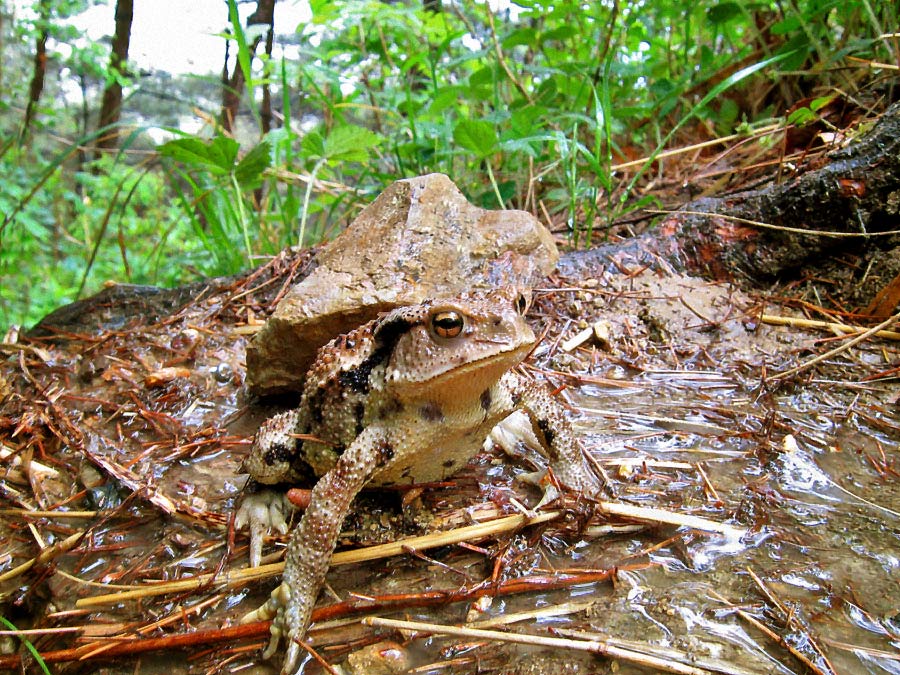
(233, 85)
(84, 125)
(111, 108)
(39, 70)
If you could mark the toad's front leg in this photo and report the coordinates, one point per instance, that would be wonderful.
(554, 431)
(312, 542)
(274, 458)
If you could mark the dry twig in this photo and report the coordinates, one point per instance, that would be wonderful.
(837, 350)
(799, 322)
(749, 618)
(472, 532)
(593, 646)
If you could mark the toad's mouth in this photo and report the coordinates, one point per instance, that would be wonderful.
(487, 368)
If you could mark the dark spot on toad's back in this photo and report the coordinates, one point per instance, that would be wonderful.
(432, 412)
(386, 337)
(547, 430)
(448, 464)
(280, 453)
(357, 378)
(384, 453)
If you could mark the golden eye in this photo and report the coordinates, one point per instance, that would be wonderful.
(447, 324)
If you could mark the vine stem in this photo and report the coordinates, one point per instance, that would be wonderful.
(306, 196)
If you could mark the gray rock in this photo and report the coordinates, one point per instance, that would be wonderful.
(419, 238)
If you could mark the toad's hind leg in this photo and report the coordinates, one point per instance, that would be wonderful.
(312, 541)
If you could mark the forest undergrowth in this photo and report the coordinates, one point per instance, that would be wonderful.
(589, 115)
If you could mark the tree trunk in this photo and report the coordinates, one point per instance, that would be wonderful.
(855, 192)
(265, 108)
(39, 71)
(84, 125)
(2, 50)
(233, 86)
(111, 108)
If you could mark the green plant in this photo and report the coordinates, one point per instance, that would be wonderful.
(79, 229)
(488, 100)
(531, 107)
(30, 647)
(217, 198)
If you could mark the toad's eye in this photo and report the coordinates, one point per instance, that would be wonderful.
(447, 324)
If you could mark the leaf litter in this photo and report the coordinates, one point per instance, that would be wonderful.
(121, 449)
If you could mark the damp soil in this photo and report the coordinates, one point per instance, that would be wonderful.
(134, 435)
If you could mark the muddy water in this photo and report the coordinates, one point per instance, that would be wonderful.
(811, 471)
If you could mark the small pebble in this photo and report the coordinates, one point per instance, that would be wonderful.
(223, 373)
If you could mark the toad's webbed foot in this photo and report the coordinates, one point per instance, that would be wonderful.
(262, 511)
(276, 609)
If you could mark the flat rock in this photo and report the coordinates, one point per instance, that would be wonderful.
(418, 239)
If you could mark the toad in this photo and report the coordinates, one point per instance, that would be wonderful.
(406, 398)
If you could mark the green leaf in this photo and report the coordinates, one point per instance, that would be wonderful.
(323, 10)
(413, 60)
(547, 92)
(794, 52)
(728, 112)
(350, 144)
(280, 140)
(216, 156)
(445, 97)
(254, 163)
(524, 37)
(520, 145)
(313, 144)
(477, 136)
(785, 26)
(819, 103)
(524, 120)
(561, 33)
(724, 11)
(483, 77)
(802, 116)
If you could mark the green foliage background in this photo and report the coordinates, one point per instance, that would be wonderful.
(523, 109)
